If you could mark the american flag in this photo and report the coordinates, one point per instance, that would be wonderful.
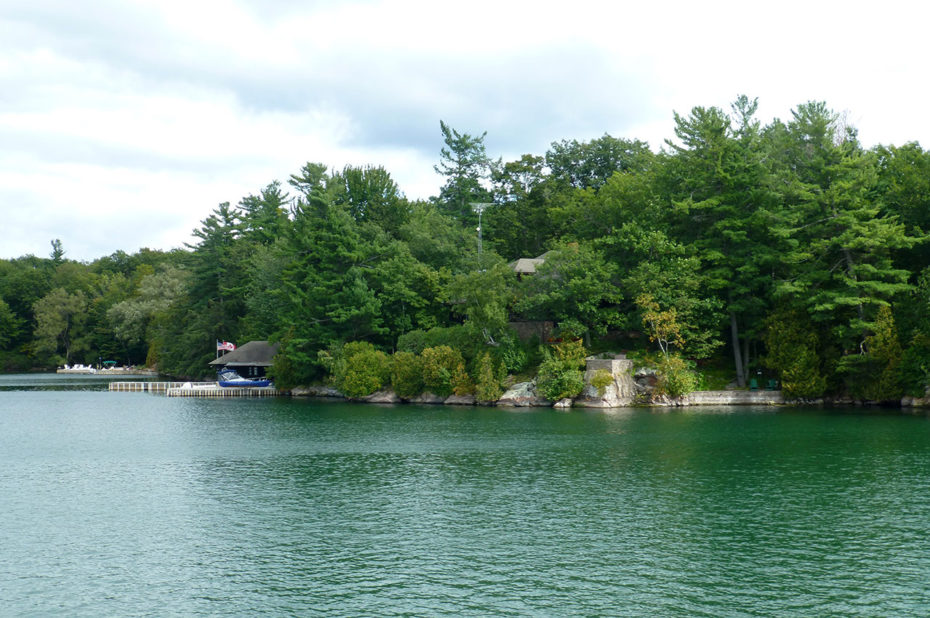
(225, 345)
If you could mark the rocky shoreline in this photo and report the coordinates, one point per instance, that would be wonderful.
(523, 395)
(626, 389)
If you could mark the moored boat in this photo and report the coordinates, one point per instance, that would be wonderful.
(228, 377)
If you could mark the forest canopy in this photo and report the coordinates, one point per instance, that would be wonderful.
(785, 248)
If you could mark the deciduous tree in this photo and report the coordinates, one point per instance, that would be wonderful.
(574, 285)
(60, 318)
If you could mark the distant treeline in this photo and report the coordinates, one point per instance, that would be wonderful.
(786, 248)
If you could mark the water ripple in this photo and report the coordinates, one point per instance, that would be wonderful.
(192, 507)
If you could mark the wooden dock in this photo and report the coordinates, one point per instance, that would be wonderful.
(193, 389)
(216, 391)
(152, 387)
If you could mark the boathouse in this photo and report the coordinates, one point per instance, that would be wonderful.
(250, 360)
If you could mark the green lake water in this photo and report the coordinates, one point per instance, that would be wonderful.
(117, 504)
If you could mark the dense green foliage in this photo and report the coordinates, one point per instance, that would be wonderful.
(407, 374)
(560, 374)
(442, 369)
(487, 384)
(883, 380)
(788, 247)
(794, 353)
(601, 380)
(676, 377)
(357, 369)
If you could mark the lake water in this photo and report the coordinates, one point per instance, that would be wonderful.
(135, 504)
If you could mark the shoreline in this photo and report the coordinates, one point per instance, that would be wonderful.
(720, 398)
(90, 371)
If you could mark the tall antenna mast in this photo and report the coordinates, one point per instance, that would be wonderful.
(479, 207)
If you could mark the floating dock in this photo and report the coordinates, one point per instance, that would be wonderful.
(194, 389)
(213, 390)
(153, 387)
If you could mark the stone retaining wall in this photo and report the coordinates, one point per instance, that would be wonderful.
(527, 330)
(734, 398)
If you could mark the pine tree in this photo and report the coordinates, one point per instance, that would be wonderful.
(884, 354)
(323, 296)
(264, 216)
(465, 164)
(842, 264)
(724, 209)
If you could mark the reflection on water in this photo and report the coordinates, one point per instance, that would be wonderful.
(124, 503)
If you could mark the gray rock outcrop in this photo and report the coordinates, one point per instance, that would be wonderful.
(645, 380)
(431, 398)
(463, 400)
(316, 391)
(620, 392)
(385, 396)
(523, 395)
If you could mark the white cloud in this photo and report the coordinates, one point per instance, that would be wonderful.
(122, 124)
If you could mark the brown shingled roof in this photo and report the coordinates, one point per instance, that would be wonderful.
(251, 354)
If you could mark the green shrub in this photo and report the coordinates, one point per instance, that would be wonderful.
(357, 369)
(802, 376)
(407, 374)
(601, 380)
(560, 373)
(456, 337)
(792, 345)
(413, 341)
(333, 359)
(876, 374)
(915, 366)
(461, 382)
(439, 364)
(570, 352)
(14, 362)
(487, 384)
(366, 372)
(534, 351)
(556, 382)
(572, 329)
(856, 370)
(884, 351)
(282, 371)
(511, 353)
(675, 376)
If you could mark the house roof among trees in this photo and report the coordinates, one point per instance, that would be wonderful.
(527, 266)
(251, 354)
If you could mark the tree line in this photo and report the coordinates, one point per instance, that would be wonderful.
(786, 248)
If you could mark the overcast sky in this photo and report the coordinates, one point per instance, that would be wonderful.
(124, 123)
